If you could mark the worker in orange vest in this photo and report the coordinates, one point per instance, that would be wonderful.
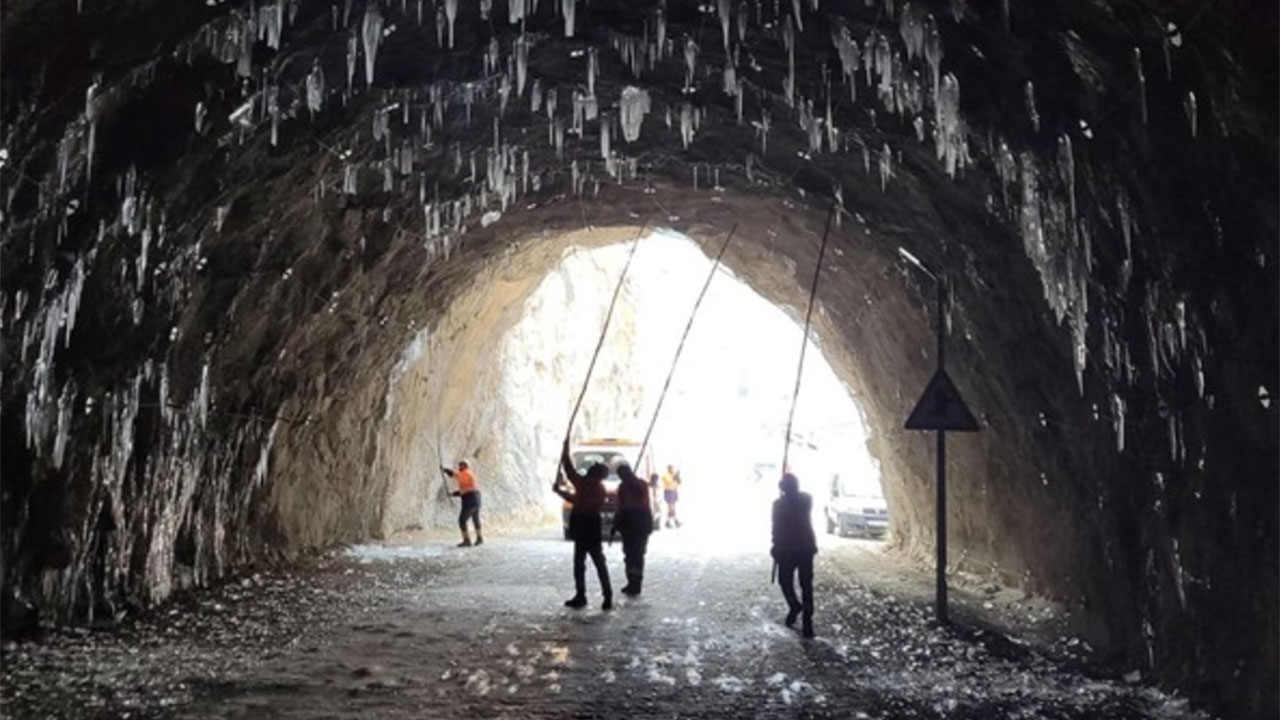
(470, 494)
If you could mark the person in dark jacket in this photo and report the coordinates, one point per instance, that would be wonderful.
(794, 546)
(635, 521)
(587, 497)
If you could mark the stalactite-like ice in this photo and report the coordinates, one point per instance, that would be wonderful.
(1029, 92)
(522, 62)
(1141, 77)
(593, 68)
(315, 89)
(371, 33)
(633, 106)
(1189, 104)
(690, 62)
(569, 9)
(451, 15)
(686, 124)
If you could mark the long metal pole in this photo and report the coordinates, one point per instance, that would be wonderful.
(941, 532)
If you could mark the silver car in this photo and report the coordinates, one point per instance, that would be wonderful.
(864, 514)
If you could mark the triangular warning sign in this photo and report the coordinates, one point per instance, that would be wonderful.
(941, 408)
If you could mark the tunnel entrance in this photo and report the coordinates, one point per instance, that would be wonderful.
(494, 382)
(723, 419)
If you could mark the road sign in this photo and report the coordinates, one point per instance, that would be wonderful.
(941, 408)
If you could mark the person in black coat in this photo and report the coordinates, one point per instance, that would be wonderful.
(794, 546)
(635, 521)
(587, 497)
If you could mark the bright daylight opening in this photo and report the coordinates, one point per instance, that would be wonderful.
(723, 420)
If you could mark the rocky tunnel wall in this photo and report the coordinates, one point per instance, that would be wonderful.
(226, 226)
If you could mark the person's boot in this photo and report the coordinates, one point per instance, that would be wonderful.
(808, 628)
(637, 584)
(792, 614)
(608, 602)
(479, 540)
(466, 541)
(577, 601)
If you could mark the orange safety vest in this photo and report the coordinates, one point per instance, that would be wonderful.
(466, 481)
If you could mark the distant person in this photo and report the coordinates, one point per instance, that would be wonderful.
(671, 494)
(469, 492)
(794, 546)
(655, 496)
(635, 521)
(585, 530)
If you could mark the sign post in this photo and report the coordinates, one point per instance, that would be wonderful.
(940, 409)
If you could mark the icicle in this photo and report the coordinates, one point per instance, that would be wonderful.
(686, 124)
(948, 133)
(661, 32)
(763, 131)
(558, 126)
(504, 93)
(789, 82)
(933, 51)
(690, 62)
(535, 96)
(91, 120)
(1142, 83)
(742, 21)
(1189, 104)
(349, 179)
(604, 141)
(795, 12)
(486, 7)
(569, 8)
(516, 10)
(633, 106)
(522, 62)
(273, 111)
(1030, 92)
(371, 32)
(353, 49)
(723, 11)
(315, 89)
(1117, 419)
(1067, 168)
(886, 166)
(593, 67)
(739, 94)
(451, 14)
(847, 49)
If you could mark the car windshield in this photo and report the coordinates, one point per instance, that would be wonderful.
(584, 459)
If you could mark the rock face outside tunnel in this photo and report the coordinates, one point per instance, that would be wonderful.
(224, 225)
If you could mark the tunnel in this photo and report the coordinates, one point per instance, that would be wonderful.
(261, 260)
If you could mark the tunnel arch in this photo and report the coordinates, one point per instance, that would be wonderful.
(234, 314)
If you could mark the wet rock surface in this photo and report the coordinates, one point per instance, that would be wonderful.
(426, 630)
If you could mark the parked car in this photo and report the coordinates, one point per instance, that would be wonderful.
(611, 452)
(861, 512)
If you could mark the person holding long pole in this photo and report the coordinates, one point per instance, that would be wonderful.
(587, 498)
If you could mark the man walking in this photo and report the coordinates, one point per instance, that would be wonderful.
(469, 492)
(794, 546)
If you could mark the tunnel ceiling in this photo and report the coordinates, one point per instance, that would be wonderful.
(225, 221)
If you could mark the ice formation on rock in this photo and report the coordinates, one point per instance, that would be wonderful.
(371, 34)
(633, 106)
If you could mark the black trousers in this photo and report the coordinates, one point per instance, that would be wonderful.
(583, 547)
(788, 568)
(635, 526)
(470, 511)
